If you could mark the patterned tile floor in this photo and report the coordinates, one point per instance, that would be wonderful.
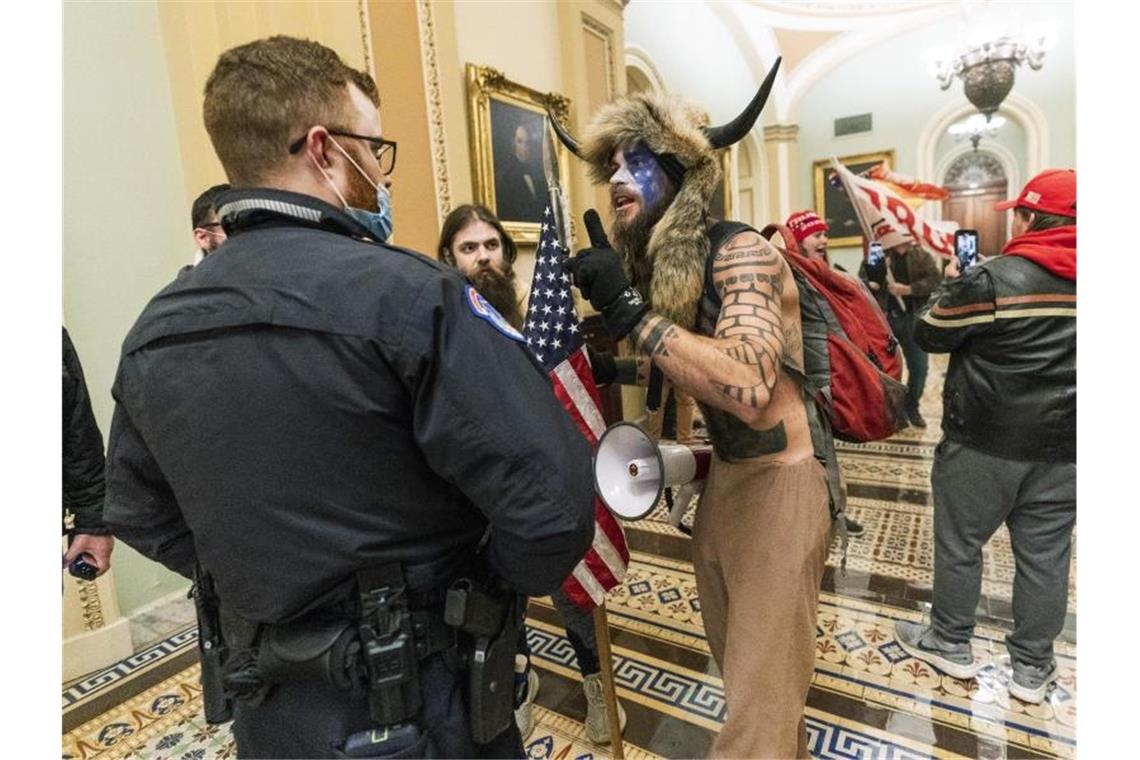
(868, 699)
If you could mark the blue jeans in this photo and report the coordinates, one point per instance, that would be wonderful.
(917, 362)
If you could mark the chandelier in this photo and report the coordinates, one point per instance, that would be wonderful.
(975, 127)
(989, 53)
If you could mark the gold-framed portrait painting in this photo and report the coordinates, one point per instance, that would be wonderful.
(832, 203)
(512, 148)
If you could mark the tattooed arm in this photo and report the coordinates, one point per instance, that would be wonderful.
(736, 369)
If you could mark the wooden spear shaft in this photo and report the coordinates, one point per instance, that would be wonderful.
(605, 660)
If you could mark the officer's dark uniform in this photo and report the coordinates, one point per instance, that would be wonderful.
(305, 404)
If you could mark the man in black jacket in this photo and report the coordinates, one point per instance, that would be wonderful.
(1009, 422)
(907, 277)
(83, 463)
(319, 422)
(207, 229)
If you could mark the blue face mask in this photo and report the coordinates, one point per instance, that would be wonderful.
(379, 222)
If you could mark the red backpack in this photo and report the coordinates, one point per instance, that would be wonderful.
(851, 358)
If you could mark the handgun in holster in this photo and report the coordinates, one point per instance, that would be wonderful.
(492, 615)
(388, 645)
(212, 648)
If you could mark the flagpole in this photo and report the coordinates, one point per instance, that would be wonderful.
(601, 622)
(865, 224)
(605, 659)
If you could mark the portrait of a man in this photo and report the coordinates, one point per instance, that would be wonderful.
(520, 181)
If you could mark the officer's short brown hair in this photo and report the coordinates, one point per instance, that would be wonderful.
(263, 95)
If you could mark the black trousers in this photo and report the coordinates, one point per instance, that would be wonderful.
(312, 719)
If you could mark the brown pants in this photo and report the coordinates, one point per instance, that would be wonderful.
(686, 408)
(759, 547)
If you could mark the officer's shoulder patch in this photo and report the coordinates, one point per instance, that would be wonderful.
(485, 311)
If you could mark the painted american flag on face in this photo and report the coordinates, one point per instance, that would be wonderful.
(555, 338)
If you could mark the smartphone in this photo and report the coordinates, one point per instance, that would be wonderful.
(876, 264)
(874, 254)
(966, 248)
(82, 569)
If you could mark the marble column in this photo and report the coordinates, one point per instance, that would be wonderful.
(780, 157)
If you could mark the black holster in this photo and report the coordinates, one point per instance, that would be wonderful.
(212, 650)
(492, 615)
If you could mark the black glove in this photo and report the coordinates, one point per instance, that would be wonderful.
(604, 366)
(599, 274)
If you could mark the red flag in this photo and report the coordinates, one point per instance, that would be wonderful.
(554, 336)
(886, 217)
(913, 192)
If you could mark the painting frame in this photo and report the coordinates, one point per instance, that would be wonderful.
(834, 208)
(487, 87)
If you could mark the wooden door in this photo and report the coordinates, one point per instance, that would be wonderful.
(973, 209)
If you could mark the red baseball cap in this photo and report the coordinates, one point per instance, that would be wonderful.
(1053, 191)
(805, 223)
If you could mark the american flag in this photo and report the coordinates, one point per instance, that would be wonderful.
(554, 336)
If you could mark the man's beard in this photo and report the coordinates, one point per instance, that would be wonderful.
(632, 240)
(360, 193)
(499, 290)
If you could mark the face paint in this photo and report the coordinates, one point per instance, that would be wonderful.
(646, 173)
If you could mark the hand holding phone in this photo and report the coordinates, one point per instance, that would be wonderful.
(876, 264)
(966, 248)
(83, 569)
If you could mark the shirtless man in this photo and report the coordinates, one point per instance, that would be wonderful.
(762, 530)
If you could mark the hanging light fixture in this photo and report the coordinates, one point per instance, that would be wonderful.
(988, 55)
(975, 127)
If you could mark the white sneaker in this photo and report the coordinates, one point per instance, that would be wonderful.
(524, 713)
(1029, 683)
(597, 719)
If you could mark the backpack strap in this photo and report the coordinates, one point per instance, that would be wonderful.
(823, 447)
(790, 244)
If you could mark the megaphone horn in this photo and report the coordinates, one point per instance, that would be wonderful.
(631, 471)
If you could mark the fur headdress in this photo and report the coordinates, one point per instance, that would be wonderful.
(673, 271)
(677, 132)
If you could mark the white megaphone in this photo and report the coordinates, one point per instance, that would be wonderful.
(631, 471)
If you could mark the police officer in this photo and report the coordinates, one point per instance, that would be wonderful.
(332, 431)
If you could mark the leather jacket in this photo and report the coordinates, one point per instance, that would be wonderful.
(1011, 330)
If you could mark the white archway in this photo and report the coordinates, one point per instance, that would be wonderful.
(755, 185)
(1017, 107)
(637, 58)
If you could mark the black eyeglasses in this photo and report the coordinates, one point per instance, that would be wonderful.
(209, 225)
(385, 150)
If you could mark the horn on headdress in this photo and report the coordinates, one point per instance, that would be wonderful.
(565, 137)
(727, 134)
